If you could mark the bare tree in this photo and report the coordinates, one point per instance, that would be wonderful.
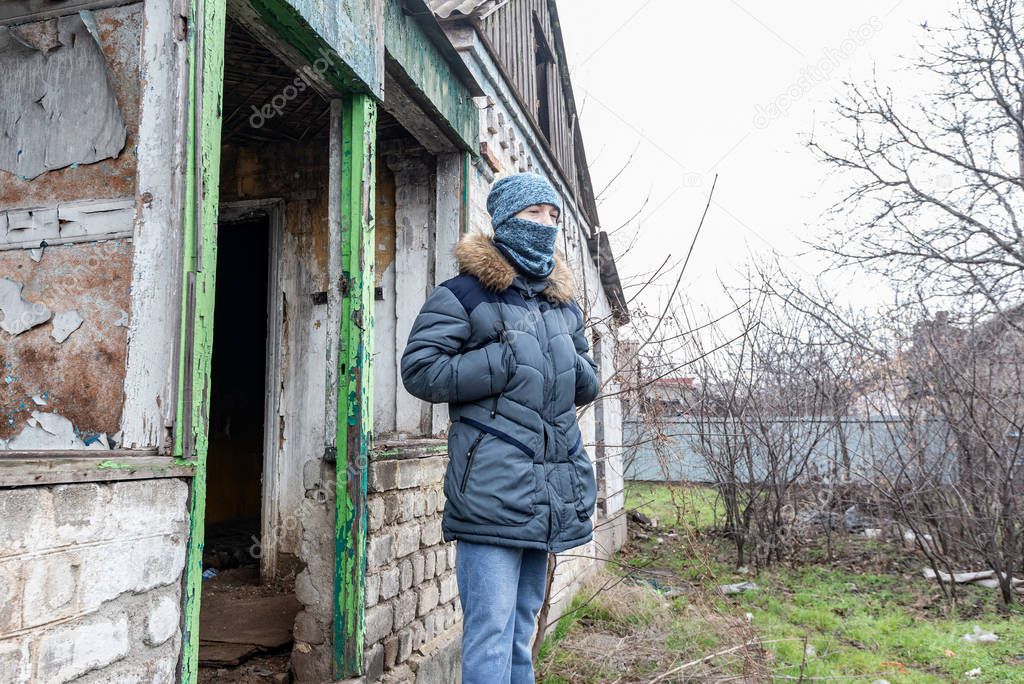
(937, 185)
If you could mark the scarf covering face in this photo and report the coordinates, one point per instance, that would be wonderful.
(529, 245)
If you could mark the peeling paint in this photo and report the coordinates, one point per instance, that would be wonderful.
(59, 107)
(19, 314)
(65, 323)
(48, 431)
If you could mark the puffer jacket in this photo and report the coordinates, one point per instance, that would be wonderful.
(509, 355)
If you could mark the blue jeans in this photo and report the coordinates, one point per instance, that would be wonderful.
(501, 589)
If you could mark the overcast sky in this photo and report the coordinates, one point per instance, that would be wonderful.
(688, 89)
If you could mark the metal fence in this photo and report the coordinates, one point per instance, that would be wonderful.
(685, 449)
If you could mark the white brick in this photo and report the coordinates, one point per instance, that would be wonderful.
(429, 563)
(449, 587)
(10, 597)
(78, 513)
(381, 551)
(372, 589)
(26, 520)
(408, 539)
(162, 621)
(15, 666)
(389, 580)
(378, 623)
(375, 512)
(50, 583)
(111, 570)
(67, 652)
(431, 532)
(145, 507)
(417, 568)
(428, 598)
(416, 472)
(406, 579)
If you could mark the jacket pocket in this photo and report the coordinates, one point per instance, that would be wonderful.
(494, 487)
(581, 471)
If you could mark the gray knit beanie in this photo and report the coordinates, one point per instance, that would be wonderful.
(512, 194)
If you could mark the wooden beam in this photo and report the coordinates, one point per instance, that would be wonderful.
(23, 11)
(355, 380)
(34, 468)
(200, 209)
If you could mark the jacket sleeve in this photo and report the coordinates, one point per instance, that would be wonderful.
(587, 385)
(434, 367)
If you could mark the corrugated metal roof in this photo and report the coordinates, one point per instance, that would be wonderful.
(478, 9)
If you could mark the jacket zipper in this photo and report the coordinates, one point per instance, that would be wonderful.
(483, 427)
(469, 462)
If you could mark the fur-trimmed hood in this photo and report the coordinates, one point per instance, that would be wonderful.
(476, 254)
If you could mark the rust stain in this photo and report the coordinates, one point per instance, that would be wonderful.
(81, 378)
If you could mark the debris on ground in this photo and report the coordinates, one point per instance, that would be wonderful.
(979, 636)
(981, 578)
(738, 588)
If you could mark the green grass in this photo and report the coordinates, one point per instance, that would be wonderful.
(862, 625)
(866, 626)
(677, 505)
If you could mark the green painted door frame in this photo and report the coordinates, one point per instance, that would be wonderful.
(354, 398)
(199, 270)
(355, 380)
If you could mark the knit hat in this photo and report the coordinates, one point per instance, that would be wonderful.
(512, 194)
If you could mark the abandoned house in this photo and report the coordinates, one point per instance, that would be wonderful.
(218, 220)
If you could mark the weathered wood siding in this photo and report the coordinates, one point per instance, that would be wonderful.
(511, 32)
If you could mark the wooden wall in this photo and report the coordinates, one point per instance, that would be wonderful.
(511, 32)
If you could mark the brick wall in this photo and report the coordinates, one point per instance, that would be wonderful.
(413, 617)
(90, 581)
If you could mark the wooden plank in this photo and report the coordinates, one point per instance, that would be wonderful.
(22, 11)
(52, 469)
(263, 621)
(57, 454)
(202, 198)
(355, 386)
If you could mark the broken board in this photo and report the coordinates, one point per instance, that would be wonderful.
(232, 628)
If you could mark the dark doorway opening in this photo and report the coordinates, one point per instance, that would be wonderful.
(237, 398)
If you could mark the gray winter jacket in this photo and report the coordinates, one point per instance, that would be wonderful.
(510, 357)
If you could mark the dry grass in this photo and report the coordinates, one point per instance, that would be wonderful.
(629, 631)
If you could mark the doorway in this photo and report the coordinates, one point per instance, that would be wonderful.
(268, 358)
(234, 491)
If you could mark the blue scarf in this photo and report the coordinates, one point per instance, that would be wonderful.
(529, 245)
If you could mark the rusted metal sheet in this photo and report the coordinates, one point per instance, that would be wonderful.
(114, 69)
(80, 378)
